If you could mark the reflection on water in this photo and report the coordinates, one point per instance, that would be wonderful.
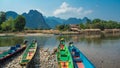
(48, 41)
(102, 50)
(10, 41)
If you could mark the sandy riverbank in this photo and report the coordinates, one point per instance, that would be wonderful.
(24, 34)
(45, 59)
(57, 32)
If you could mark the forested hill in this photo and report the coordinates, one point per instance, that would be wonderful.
(34, 19)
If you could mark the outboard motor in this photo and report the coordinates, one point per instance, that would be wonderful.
(18, 46)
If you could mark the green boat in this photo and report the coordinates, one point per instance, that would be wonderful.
(28, 54)
(63, 56)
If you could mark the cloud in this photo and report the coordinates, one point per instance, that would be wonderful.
(87, 12)
(68, 11)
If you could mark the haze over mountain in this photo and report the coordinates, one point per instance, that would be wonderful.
(35, 20)
(73, 21)
(11, 14)
(54, 21)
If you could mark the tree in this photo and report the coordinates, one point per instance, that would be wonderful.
(96, 21)
(2, 18)
(82, 26)
(20, 23)
(89, 24)
(8, 25)
(66, 27)
(63, 27)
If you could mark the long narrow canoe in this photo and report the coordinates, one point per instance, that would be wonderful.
(12, 51)
(79, 59)
(28, 53)
(64, 57)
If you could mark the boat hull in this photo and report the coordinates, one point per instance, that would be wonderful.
(28, 54)
(7, 56)
(64, 58)
(79, 59)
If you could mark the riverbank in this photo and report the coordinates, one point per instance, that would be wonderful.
(57, 32)
(47, 59)
(24, 34)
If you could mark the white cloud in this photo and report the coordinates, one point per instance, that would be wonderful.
(68, 11)
(87, 12)
(64, 5)
(63, 9)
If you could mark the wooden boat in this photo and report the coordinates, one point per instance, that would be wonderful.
(12, 51)
(79, 59)
(64, 57)
(28, 53)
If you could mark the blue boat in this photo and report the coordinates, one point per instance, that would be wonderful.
(12, 51)
(79, 59)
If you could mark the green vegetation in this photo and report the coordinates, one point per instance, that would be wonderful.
(11, 25)
(63, 27)
(100, 24)
(20, 23)
(81, 25)
(2, 18)
(8, 25)
(94, 24)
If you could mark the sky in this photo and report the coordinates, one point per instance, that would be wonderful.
(103, 9)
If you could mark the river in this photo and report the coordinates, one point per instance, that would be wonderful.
(102, 50)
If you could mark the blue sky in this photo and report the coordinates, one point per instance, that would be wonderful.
(103, 9)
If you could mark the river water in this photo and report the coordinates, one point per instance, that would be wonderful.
(102, 50)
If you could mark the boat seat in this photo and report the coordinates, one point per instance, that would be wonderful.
(64, 64)
(63, 55)
(63, 52)
(77, 54)
(3, 54)
(73, 50)
(25, 60)
(64, 58)
(78, 59)
(13, 48)
(32, 45)
(18, 46)
(11, 51)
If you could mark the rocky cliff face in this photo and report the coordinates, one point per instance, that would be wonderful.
(35, 20)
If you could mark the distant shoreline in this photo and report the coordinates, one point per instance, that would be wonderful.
(57, 32)
(23, 34)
